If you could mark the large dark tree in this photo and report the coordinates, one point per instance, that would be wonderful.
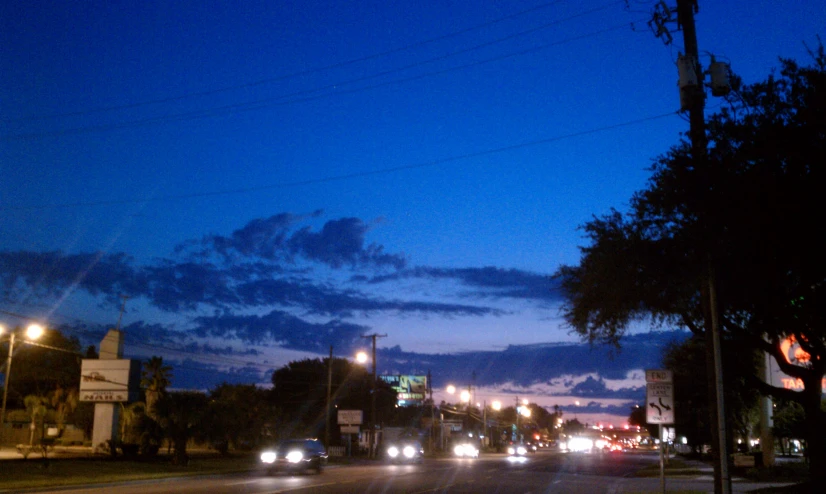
(237, 416)
(691, 399)
(750, 212)
(300, 391)
(181, 415)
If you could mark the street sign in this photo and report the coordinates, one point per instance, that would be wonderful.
(659, 376)
(349, 429)
(659, 403)
(350, 417)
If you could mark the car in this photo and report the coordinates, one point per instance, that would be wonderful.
(466, 450)
(517, 450)
(295, 455)
(405, 451)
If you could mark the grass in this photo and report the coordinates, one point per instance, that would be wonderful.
(34, 473)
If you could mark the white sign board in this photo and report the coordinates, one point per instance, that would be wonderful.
(349, 429)
(107, 380)
(350, 417)
(659, 403)
(659, 376)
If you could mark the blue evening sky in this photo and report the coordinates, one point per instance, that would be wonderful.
(267, 179)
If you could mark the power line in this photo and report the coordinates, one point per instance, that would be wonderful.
(295, 97)
(337, 178)
(293, 74)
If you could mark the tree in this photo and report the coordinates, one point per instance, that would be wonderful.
(753, 214)
(155, 378)
(139, 432)
(687, 362)
(236, 416)
(181, 417)
(789, 423)
(64, 402)
(638, 417)
(53, 363)
(300, 391)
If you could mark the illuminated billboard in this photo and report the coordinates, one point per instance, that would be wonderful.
(795, 355)
(410, 390)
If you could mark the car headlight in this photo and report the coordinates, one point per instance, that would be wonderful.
(465, 450)
(393, 451)
(268, 457)
(521, 450)
(294, 456)
(511, 450)
(409, 451)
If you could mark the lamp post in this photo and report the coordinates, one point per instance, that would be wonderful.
(33, 332)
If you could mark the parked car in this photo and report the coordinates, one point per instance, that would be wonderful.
(295, 455)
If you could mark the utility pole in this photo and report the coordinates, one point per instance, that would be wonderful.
(695, 101)
(373, 394)
(329, 397)
(692, 100)
(432, 417)
(517, 417)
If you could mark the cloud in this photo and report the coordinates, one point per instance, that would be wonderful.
(319, 299)
(340, 243)
(255, 267)
(527, 365)
(283, 328)
(486, 282)
(48, 274)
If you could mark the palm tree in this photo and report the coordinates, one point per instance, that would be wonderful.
(64, 401)
(155, 378)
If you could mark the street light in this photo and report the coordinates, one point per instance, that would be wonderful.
(33, 332)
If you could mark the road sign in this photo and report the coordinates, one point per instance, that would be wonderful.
(350, 417)
(659, 403)
(349, 429)
(659, 376)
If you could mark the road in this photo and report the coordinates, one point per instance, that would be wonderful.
(547, 472)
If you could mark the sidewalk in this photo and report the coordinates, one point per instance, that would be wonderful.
(11, 452)
(699, 472)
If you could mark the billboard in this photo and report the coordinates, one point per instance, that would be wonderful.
(794, 355)
(109, 380)
(410, 390)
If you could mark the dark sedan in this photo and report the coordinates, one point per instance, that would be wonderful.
(295, 455)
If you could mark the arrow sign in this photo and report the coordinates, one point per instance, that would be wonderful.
(660, 399)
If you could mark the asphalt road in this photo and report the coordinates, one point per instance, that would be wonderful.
(546, 472)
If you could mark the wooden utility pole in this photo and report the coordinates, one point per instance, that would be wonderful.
(693, 96)
(692, 100)
(329, 397)
(374, 388)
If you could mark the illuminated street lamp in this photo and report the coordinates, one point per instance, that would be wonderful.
(361, 357)
(496, 405)
(33, 332)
